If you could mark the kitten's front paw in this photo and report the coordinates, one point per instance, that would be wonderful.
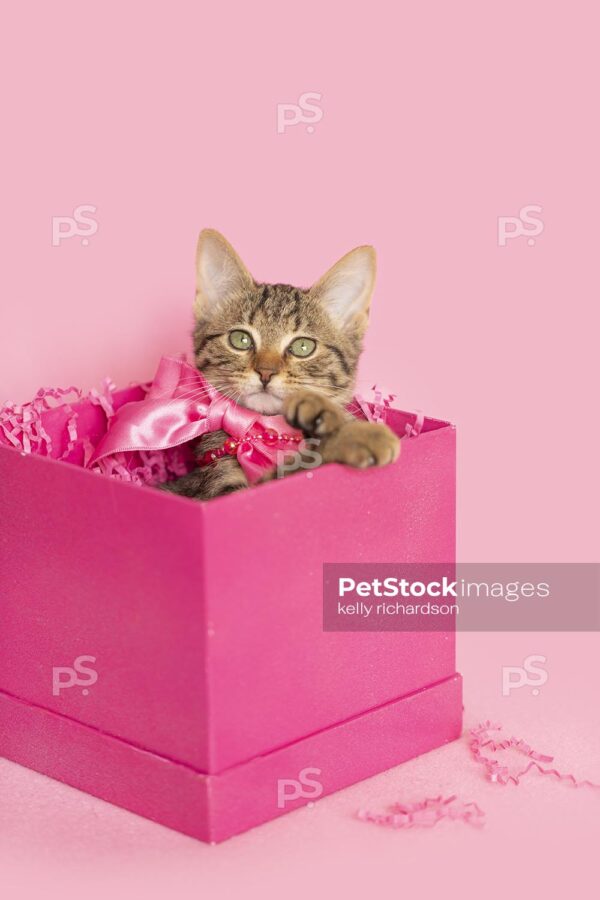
(314, 414)
(362, 444)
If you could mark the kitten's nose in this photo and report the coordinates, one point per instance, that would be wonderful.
(265, 375)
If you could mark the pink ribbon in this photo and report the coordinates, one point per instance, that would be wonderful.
(181, 406)
(480, 740)
(426, 813)
(377, 409)
(22, 424)
(414, 429)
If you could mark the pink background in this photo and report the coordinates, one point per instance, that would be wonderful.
(437, 119)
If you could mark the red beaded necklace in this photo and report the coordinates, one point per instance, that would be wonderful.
(230, 446)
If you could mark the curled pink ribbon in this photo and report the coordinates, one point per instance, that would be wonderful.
(377, 409)
(426, 813)
(22, 424)
(181, 406)
(414, 429)
(480, 740)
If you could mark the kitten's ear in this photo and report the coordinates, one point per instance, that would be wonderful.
(345, 290)
(220, 273)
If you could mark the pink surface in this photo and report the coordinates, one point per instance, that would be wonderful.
(438, 118)
(538, 838)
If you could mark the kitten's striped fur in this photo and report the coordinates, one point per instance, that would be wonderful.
(310, 391)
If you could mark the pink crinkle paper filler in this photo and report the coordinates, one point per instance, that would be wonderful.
(22, 426)
(426, 813)
(481, 743)
(377, 409)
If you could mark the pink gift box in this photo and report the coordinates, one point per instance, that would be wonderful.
(169, 656)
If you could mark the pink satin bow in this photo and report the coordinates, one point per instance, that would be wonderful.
(180, 406)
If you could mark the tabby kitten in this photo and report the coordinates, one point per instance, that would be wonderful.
(277, 349)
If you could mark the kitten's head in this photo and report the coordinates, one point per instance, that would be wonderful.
(257, 343)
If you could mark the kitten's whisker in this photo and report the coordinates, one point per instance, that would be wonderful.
(193, 395)
(191, 380)
(190, 396)
(192, 392)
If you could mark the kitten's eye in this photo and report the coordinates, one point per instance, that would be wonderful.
(302, 347)
(241, 340)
